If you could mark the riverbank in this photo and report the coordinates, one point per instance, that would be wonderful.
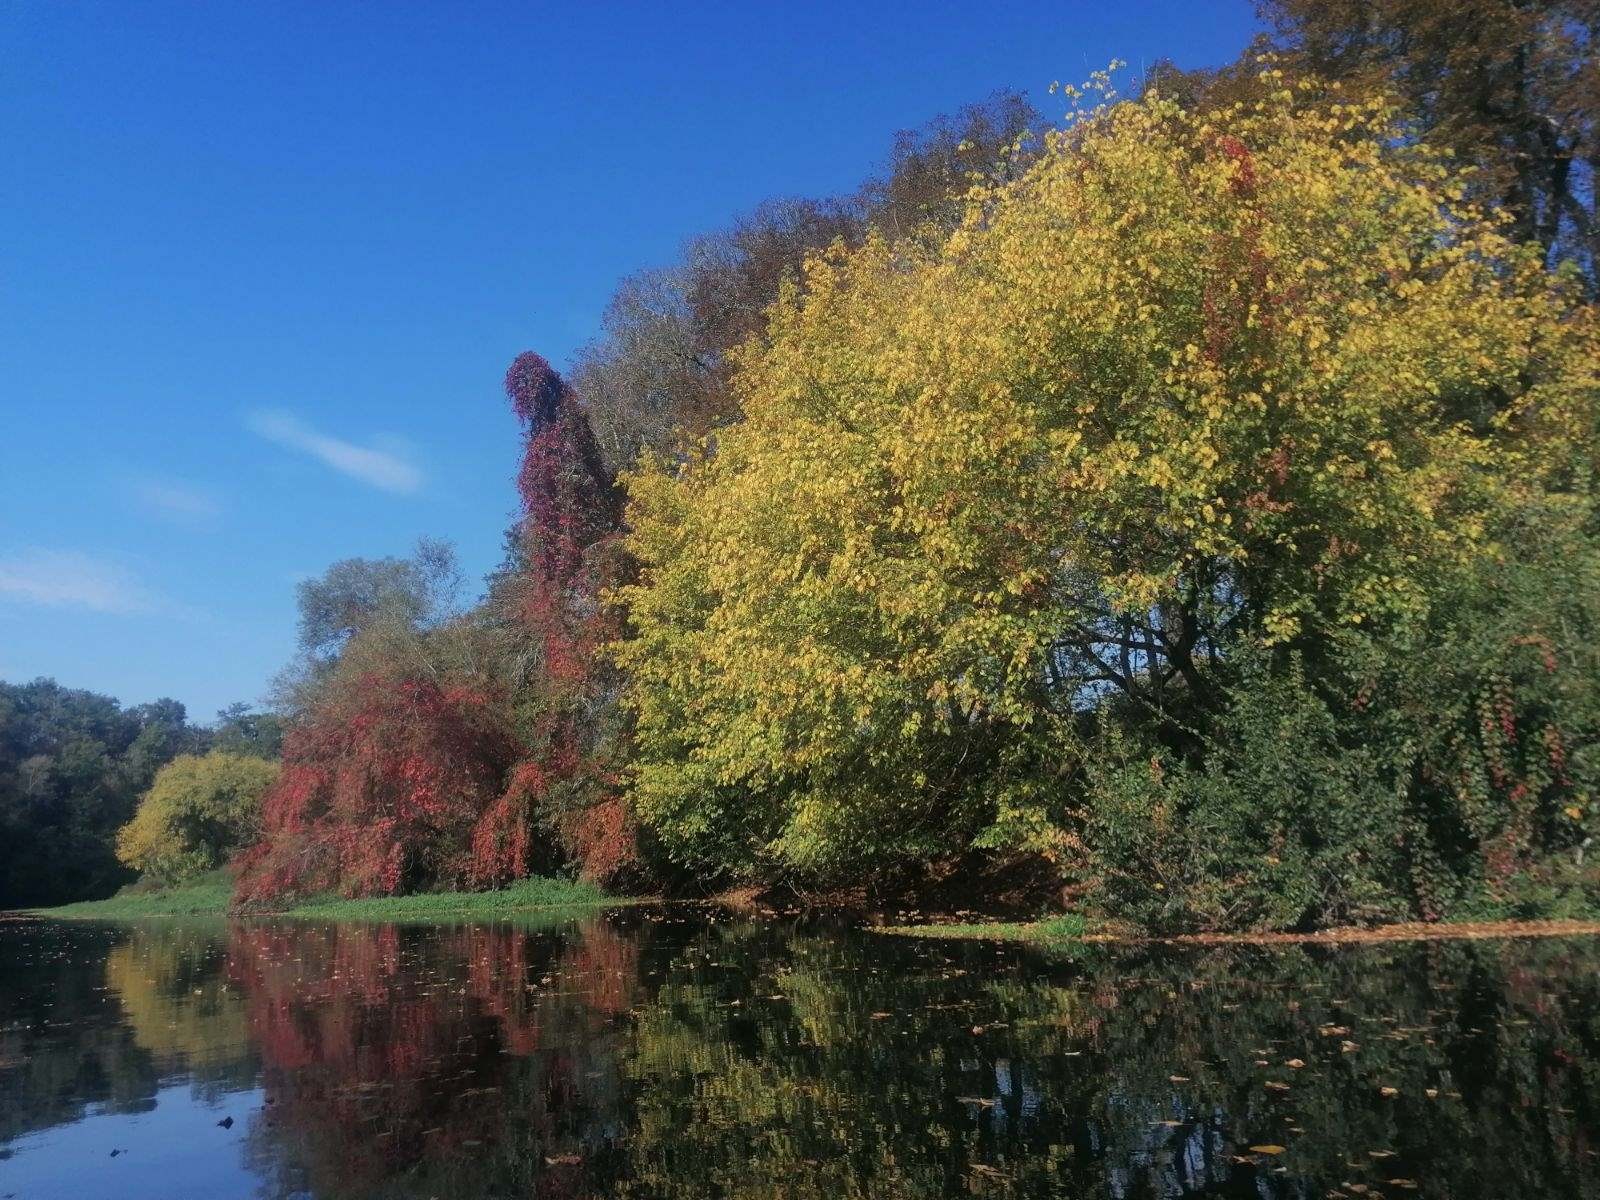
(1074, 930)
(214, 897)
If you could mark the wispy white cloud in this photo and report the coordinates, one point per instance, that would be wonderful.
(70, 579)
(177, 501)
(379, 465)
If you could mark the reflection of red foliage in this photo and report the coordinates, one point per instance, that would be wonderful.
(385, 1053)
(382, 798)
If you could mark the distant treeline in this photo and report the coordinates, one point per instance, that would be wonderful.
(73, 765)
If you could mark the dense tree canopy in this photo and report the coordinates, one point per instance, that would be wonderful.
(1259, 376)
(1510, 86)
(661, 371)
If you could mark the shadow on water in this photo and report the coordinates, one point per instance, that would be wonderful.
(666, 1053)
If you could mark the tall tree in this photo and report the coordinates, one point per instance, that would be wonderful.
(1194, 383)
(564, 693)
(1511, 86)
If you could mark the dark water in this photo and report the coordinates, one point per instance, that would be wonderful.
(668, 1053)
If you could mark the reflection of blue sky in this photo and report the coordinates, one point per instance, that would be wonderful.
(174, 1151)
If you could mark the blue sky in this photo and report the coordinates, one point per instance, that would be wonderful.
(262, 265)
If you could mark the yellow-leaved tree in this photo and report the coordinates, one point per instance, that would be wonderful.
(1191, 383)
(199, 811)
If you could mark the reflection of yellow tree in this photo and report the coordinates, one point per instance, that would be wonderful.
(833, 1070)
(824, 1076)
(177, 1000)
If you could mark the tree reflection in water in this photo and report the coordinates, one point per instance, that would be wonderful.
(671, 1053)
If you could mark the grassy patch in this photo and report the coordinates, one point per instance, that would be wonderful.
(1067, 928)
(204, 896)
(214, 894)
(521, 896)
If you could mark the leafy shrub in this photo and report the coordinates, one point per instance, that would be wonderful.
(199, 811)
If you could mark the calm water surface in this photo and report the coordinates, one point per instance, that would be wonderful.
(659, 1053)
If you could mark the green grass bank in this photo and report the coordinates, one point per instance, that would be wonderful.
(214, 896)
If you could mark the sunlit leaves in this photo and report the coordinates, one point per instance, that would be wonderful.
(1257, 375)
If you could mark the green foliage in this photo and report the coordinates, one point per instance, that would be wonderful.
(241, 730)
(535, 892)
(355, 593)
(212, 894)
(72, 765)
(1277, 824)
(198, 813)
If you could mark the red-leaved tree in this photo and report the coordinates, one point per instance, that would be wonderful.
(423, 759)
(568, 553)
(381, 791)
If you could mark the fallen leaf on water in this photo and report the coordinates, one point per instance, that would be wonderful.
(1267, 1149)
(1402, 1183)
(1274, 1085)
(1388, 1093)
(1431, 1093)
(1294, 1064)
(1178, 1078)
(562, 1160)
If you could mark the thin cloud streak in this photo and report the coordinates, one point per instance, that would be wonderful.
(378, 468)
(71, 579)
(177, 501)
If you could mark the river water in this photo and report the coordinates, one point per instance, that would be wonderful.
(679, 1052)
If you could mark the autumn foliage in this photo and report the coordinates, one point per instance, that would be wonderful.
(382, 797)
(1200, 514)
(1186, 518)
(463, 753)
(569, 552)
